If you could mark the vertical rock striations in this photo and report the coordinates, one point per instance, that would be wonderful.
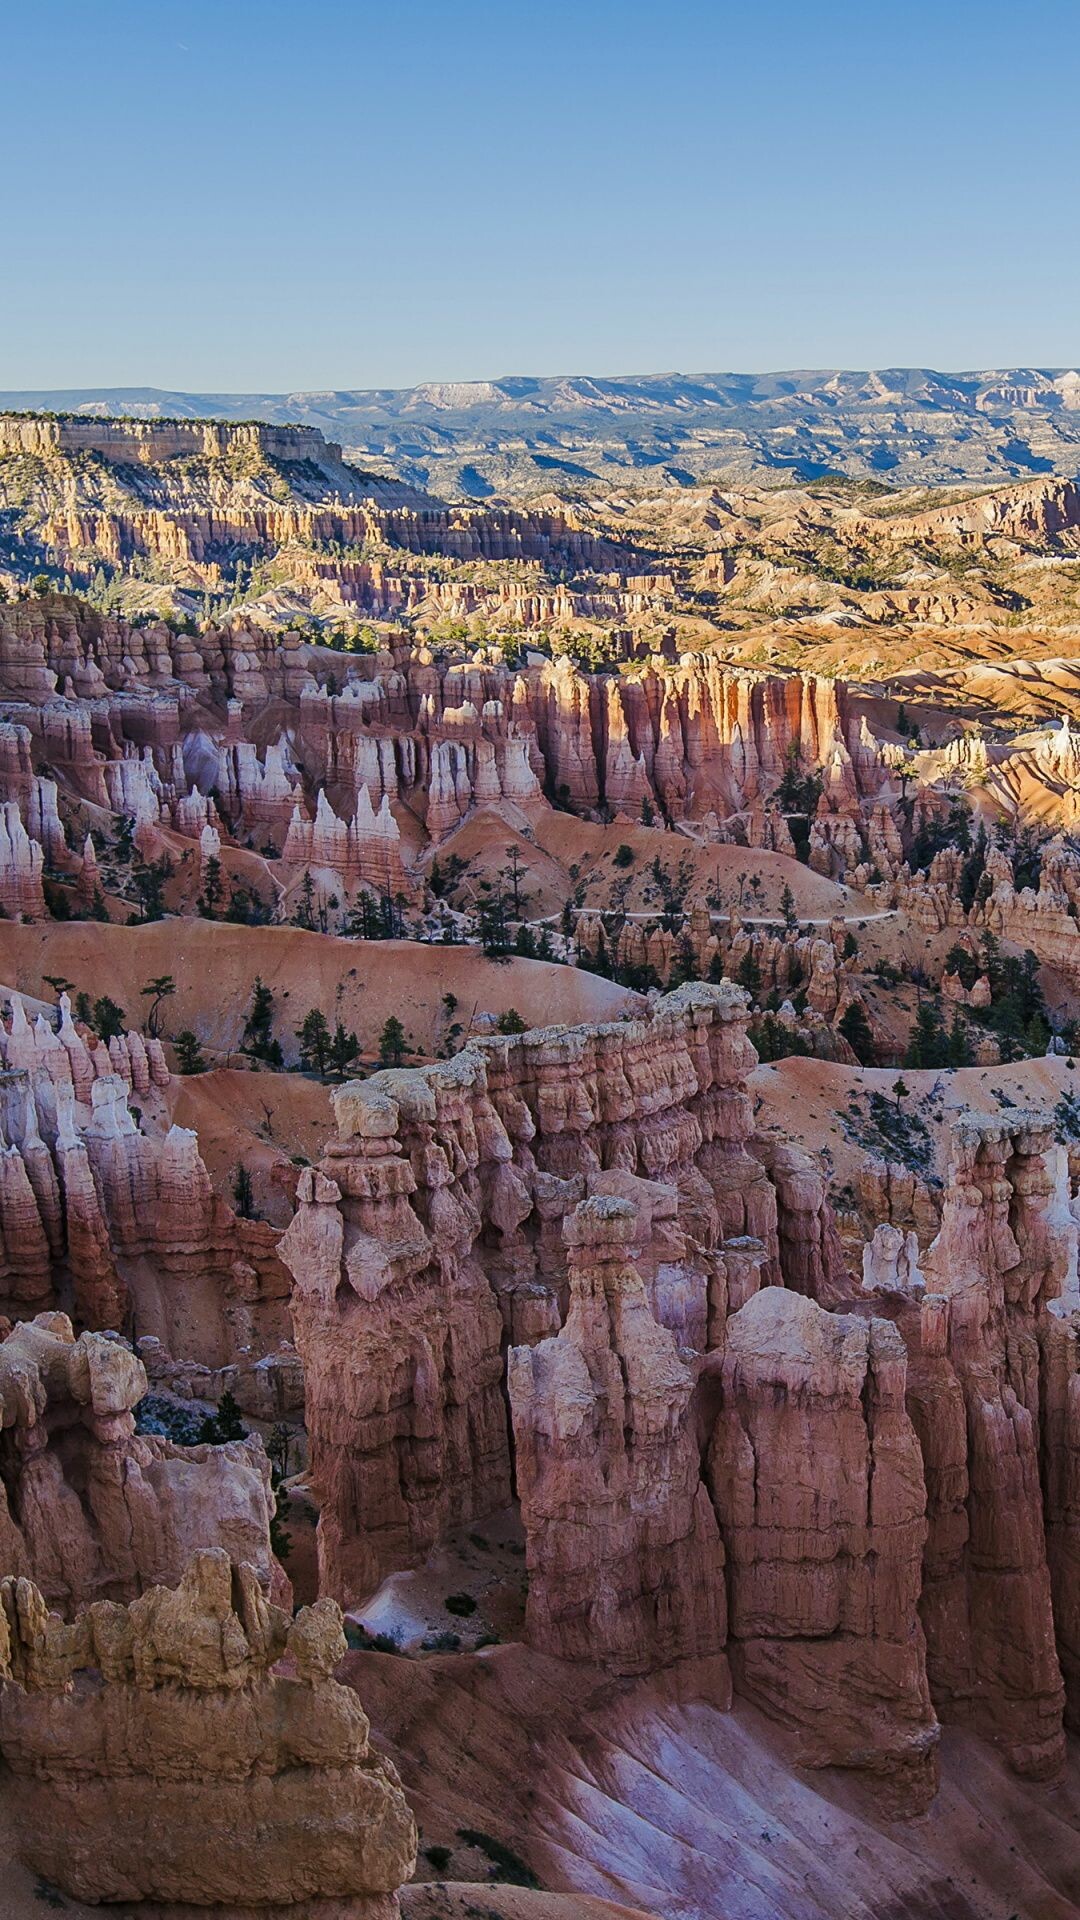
(433, 1228)
(1004, 1255)
(815, 1471)
(397, 1327)
(624, 1555)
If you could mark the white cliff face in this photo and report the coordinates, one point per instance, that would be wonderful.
(366, 848)
(21, 862)
(891, 1262)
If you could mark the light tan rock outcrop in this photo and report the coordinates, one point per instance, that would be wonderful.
(156, 1752)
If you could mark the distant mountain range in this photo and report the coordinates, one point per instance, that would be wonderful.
(462, 439)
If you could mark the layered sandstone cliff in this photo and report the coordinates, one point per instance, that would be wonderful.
(434, 1227)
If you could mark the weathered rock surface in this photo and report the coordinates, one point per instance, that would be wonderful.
(398, 1330)
(153, 1752)
(1001, 1288)
(88, 1508)
(443, 1199)
(815, 1470)
(625, 1563)
(118, 1224)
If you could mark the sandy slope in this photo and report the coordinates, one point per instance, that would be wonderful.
(561, 854)
(483, 1901)
(810, 1101)
(361, 982)
(266, 1121)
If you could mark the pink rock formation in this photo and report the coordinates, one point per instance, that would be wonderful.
(21, 863)
(367, 848)
(625, 1561)
(120, 1224)
(1006, 1251)
(88, 1508)
(397, 1328)
(442, 1200)
(154, 1752)
(815, 1471)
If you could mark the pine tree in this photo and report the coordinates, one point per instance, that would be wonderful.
(344, 1050)
(857, 1031)
(392, 1043)
(959, 1046)
(787, 908)
(210, 898)
(511, 1022)
(243, 1194)
(928, 1045)
(148, 879)
(493, 919)
(747, 973)
(107, 1019)
(224, 1425)
(304, 912)
(257, 1041)
(972, 871)
(314, 1037)
(157, 991)
(514, 876)
(189, 1054)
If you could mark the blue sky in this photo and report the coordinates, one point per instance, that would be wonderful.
(253, 195)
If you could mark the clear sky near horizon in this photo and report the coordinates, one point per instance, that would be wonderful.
(230, 195)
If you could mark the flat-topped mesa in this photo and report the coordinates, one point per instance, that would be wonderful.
(992, 1361)
(432, 1229)
(157, 1752)
(603, 1429)
(90, 1509)
(147, 441)
(824, 1560)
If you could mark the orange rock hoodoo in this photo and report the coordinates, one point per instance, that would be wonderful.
(406, 737)
(664, 1275)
